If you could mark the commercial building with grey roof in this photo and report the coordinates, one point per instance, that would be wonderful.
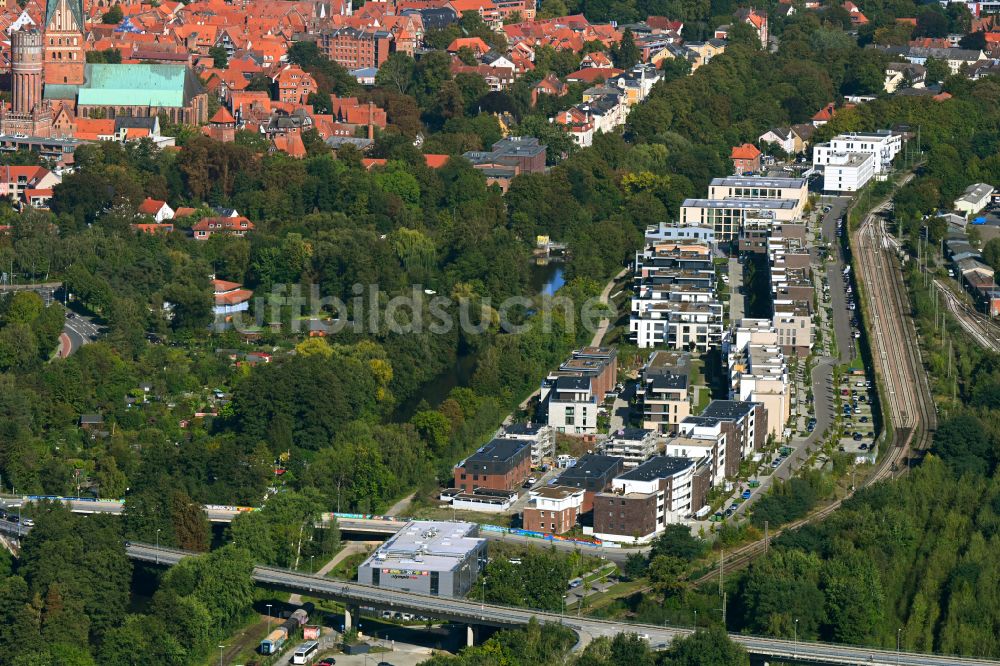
(428, 557)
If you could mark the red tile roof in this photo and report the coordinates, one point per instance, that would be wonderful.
(436, 161)
(593, 74)
(747, 151)
(222, 117)
(151, 206)
(826, 113)
(223, 224)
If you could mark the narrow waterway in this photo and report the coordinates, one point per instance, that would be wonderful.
(545, 280)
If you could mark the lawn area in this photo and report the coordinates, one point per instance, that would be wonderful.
(347, 568)
(445, 512)
(703, 397)
(613, 593)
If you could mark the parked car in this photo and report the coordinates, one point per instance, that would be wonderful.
(745, 495)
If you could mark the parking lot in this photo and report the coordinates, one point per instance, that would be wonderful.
(857, 422)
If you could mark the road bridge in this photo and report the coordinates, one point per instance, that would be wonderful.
(380, 526)
(355, 596)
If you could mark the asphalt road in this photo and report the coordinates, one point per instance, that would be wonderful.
(470, 612)
(846, 347)
(473, 613)
(80, 330)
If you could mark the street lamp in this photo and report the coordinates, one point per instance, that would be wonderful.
(696, 620)
(220, 654)
(482, 607)
(157, 545)
(796, 648)
(311, 567)
(897, 645)
(268, 617)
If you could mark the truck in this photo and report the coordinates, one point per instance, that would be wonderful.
(273, 641)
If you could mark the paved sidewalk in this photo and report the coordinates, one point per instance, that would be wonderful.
(602, 329)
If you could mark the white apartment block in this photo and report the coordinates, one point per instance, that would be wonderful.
(676, 304)
(727, 216)
(845, 169)
(699, 442)
(847, 172)
(758, 370)
(634, 445)
(571, 405)
(742, 187)
(680, 326)
(667, 232)
(763, 377)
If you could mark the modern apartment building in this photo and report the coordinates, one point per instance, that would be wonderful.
(592, 473)
(675, 303)
(663, 391)
(643, 501)
(701, 442)
(552, 509)
(759, 372)
(570, 395)
(540, 436)
(727, 216)
(847, 172)
(502, 464)
(682, 326)
(743, 423)
(737, 187)
(849, 161)
(633, 445)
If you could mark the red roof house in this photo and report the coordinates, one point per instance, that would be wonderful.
(746, 159)
(233, 226)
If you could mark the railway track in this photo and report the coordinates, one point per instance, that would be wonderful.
(979, 328)
(904, 388)
(893, 338)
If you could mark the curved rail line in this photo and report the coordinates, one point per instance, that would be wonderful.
(898, 365)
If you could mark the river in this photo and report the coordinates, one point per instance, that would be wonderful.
(544, 280)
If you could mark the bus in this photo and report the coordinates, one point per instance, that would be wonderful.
(305, 652)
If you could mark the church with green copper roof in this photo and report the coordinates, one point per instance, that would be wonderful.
(71, 87)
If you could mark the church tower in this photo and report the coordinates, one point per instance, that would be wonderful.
(64, 55)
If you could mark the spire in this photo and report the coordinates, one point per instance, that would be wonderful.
(70, 9)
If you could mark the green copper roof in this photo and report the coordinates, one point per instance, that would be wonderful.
(75, 7)
(137, 85)
(60, 91)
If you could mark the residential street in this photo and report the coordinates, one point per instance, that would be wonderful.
(821, 379)
(835, 274)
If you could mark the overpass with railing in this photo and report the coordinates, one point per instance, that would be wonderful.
(356, 596)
